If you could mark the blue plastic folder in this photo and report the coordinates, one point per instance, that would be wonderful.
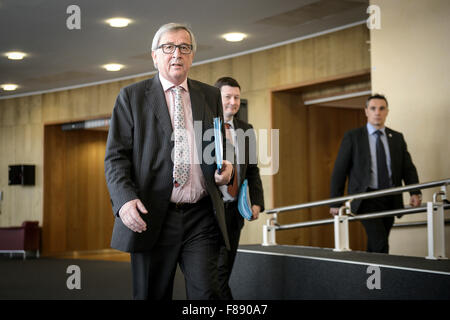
(244, 201)
(218, 142)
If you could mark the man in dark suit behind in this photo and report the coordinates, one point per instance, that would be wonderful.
(374, 157)
(242, 136)
(167, 210)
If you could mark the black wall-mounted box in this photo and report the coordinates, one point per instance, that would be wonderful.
(21, 174)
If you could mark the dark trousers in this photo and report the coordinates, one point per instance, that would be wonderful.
(378, 229)
(227, 257)
(189, 236)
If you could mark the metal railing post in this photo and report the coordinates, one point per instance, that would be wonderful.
(436, 227)
(341, 240)
(269, 232)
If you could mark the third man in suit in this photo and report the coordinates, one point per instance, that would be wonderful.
(374, 157)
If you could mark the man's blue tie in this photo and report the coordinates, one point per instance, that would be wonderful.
(382, 169)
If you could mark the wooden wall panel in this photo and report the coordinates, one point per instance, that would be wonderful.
(309, 142)
(327, 128)
(290, 184)
(77, 211)
(54, 233)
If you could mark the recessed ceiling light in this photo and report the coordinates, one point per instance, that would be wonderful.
(15, 55)
(9, 87)
(118, 22)
(113, 67)
(234, 36)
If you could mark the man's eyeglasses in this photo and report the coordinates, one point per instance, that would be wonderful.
(170, 48)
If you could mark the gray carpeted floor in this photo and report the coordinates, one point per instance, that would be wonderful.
(47, 279)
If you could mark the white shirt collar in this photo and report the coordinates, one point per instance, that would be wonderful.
(371, 129)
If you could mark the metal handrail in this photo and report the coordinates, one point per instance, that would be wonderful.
(363, 216)
(364, 195)
(434, 209)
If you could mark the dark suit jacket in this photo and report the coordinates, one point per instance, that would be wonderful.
(138, 161)
(353, 161)
(248, 167)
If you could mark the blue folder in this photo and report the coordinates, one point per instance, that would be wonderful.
(244, 205)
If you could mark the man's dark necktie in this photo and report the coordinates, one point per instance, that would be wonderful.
(383, 173)
(232, 188)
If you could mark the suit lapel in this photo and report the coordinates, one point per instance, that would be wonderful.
(198, 113)
(365, 148)
(197, 101)
(158, 105)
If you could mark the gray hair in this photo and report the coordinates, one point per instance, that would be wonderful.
(173, 27)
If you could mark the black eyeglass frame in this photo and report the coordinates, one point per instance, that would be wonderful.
(175, 46)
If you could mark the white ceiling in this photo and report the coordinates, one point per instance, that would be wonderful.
(59, 57)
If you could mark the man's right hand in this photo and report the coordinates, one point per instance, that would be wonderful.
(130, 215)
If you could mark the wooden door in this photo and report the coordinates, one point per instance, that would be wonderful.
(77, 210)
(310, 138)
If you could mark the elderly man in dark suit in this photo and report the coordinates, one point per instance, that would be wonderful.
(168, 210)
(374, 157)
(241, 135)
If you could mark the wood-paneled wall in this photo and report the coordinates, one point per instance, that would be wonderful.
(22, 119)
(327, 126)
(77, 210)
(309, 142)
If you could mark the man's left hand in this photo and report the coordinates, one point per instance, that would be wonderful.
(225, 176)
(255, 211)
